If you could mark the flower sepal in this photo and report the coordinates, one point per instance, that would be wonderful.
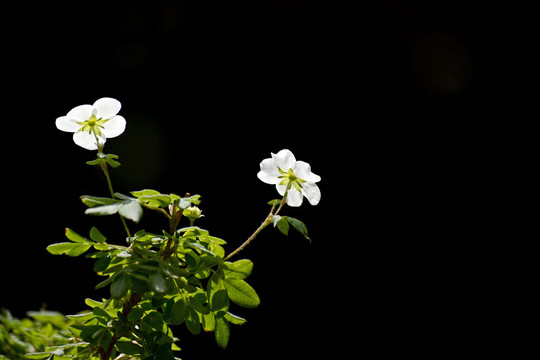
(102, 158)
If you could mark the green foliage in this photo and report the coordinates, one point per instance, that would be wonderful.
(105, 159)
(156, 282)
(282, 223)
(44, 334)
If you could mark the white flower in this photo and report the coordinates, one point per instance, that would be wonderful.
(285, 172)
(93, 124)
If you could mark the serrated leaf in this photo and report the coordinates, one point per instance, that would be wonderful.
(241, 293)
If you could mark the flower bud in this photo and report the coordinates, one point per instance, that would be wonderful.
(192, 213)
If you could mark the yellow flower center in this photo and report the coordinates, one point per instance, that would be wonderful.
(289, 179)
(93, 125)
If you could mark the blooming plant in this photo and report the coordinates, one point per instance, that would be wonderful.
(181, 276)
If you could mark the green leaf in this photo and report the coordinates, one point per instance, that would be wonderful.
(73, 236)
(128, 348)
(184, 204)
(105, 158)
(104, 209)
(298, 225)
(101, 247)
(209, 321)
(97, 236)
(241, 293)
(81, 317)
(126, 206)
(111, 160)
(222, 332)
(157, 282)
(52, 317)
(192, 321)
(120, 286)
(105, 282)
(92, 303)
(70, 249)
(219, 302)
(79, 250)
(145, 192)
(102, 263)
(61, 248)
(274, 202)
(178, 312)
(281, 223)
(235, 319)
(90, 332)
(240, 269)
(135, 314)
(39, 355)
(193, 199)
(131, 210)
(92, 201)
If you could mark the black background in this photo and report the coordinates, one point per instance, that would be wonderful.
(382, 98)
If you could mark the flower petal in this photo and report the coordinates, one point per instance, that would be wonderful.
(311, 192)
(303, 171)
(65, 124)
(281, 189)
(86, 140)
(114, 127)
(294, 198)
(106, 108)
(285, 160)
(80, 113)
(269, 172)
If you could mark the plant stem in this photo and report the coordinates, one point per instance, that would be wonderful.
(266, 222)
(130, 304)
(105, 169)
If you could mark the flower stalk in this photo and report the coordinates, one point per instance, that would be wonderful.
(268, 221)
(103, 165)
